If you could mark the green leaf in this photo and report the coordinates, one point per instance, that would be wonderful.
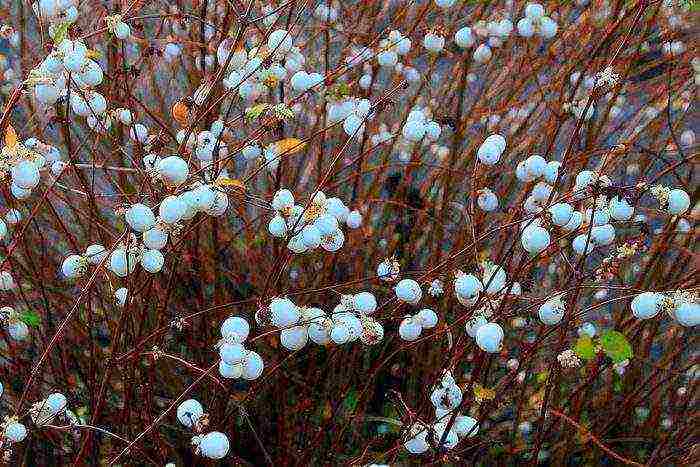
(584, 348)
(542, 377)
(351, 401)
(338, 92)
(282, 111)
(616, 346)
(617, 386)
(30, 318)
(60, 33)
(253, 113)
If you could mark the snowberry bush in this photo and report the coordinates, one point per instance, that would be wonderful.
(362, 232)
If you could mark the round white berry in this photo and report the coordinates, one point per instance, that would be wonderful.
(603, 234)
(413, 130)
(74, 266)
(279, 41)
(140, 217)
(122, 264)
(582, 244)
(438, 434)
(354, 219)
(468, 286)
(56, 402)
(326, 224)
(561, 213)
(646, 305)
(474, 324)
(446, 398)
(551, 312)
(575, 221)
(466, 426)
(525, 27)
(417, 443)
(294, 338)
(227, 371)
(487, 200)
(122, 30)
(534, 11)
(189, 412)
(535, 239)
(95, 254)
(464, 38)
(620, 210)
(155, 238)
(173, 170)
(120, 296)
(410, 329)
(232, 353)
(548, 27)
(152, 261)
(25, 175)
(678, 201)
(253, 366)
(409, 291)
(283, 312)
(688, 314)
(235, 328)
(15, 432)
(427, 318)
(489, 337)
(214, 445)
(283, 199)
(18, 330)
(277, 227)
(482, 54)
(364, 302)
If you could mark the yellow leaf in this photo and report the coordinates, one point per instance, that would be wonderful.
(327, 411)
(483, 394)
(10, 137)
(94, 54)
(289, 146)
(225, 181)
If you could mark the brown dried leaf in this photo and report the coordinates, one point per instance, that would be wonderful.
(181, 113)
(10, 137)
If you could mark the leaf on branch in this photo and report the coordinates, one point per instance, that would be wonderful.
(253, 113)
(94, 54)
(351, 401)
(232, 182)
(10, 137)
(288, 146)
(616, 346)
(30, 318)
(181, 113)
(584, 348)
(483, 394)
(542, 376)
(338, 92)
(60, 33)
(282, 111)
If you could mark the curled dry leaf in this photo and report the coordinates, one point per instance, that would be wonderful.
(181, 113)
(289, 146)
(10, 137)
(230, 182)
